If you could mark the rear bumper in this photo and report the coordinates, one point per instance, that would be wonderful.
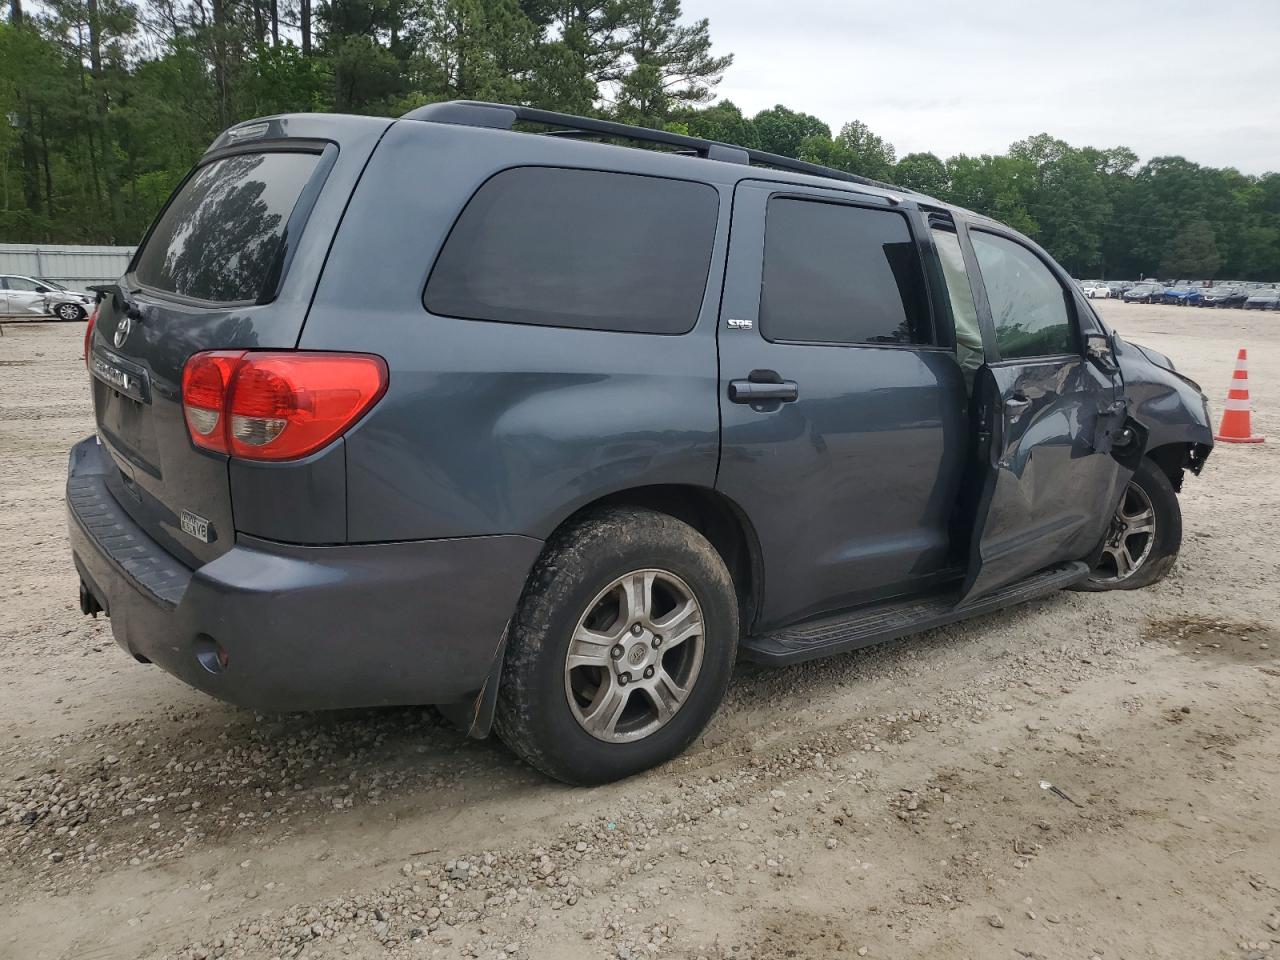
(302, 628)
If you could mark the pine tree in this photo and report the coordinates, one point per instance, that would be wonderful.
(666, 66)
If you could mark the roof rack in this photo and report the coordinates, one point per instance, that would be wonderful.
(502, 116)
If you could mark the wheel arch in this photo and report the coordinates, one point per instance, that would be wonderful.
(1176, 457)
(717, 517)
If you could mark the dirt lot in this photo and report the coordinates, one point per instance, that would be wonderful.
(883, 804)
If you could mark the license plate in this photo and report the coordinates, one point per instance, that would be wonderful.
(195, 526)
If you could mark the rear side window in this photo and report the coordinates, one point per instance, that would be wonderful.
(841, 274)
(579, 248)
(220, 236)
(1028, 304)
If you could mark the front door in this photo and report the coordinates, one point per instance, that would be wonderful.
(843, 424)
(1047, 418)
(25, 297)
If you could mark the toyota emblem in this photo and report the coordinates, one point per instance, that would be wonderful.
(122, 331)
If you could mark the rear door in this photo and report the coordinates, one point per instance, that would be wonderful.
(1047, 416)
(843, 417)
(230, 263)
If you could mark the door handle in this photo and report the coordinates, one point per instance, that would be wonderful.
(750, 391)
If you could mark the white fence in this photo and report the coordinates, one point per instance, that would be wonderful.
(72, 266)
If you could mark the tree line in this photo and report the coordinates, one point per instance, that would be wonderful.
(104, 105)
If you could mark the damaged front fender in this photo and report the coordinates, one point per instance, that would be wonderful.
(1168, 406)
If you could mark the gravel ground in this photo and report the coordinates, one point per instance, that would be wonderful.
(882, 804)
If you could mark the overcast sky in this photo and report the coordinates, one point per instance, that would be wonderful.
(1200, 78)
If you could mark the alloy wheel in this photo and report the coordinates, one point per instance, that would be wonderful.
(634, 656)
(1130, 538)
(68, 311)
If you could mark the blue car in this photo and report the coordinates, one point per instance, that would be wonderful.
(1184, 296)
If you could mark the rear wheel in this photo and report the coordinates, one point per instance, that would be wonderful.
(621, 649)
(1145, 534)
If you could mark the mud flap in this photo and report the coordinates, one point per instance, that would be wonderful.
(475, 717)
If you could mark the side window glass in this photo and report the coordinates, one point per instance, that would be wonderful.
(964, 313)
(841, 274)
(579, 248)
(22, 283)
(1028, 305)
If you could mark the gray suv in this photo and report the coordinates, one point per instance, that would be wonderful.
(548, 430)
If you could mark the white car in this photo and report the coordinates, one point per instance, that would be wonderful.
(1096, 288)
(30, 296)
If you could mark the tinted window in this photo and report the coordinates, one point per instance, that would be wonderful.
(964, 313)
(840, 274)
(579, 248)
(1028, 305)
(219, 237)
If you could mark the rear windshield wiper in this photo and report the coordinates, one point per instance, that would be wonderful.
(120, 297)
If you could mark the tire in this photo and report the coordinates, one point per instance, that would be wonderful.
(547, 710)
(70, 312)
(1157, 551)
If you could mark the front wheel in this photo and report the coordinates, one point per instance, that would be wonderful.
(71, 312)
(1144, 536)
(621, 649)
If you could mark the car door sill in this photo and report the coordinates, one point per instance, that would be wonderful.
(887, 621)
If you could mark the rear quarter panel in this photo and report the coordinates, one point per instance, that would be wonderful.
(491, 428)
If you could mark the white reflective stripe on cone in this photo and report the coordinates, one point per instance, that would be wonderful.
(1237, 404)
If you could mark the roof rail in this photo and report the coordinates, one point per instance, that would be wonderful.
(502, 116)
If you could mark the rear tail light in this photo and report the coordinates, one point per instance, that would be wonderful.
(88, 334)
(277, 406)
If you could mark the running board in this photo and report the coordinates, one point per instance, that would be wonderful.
(888, 621)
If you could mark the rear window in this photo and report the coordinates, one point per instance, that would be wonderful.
(220, 236)
(579, 248)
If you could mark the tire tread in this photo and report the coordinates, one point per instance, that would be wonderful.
(570, 555)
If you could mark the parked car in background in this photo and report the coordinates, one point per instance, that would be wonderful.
(1118, 287)
(34, 297)
(1184, 295)
(65, 303)
(1267, 298)
(1095, 289)
(1227, 296)
(1144, 292)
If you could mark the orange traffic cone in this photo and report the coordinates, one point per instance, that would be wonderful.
(1236, 426)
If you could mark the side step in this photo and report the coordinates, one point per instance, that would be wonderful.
(861, 628)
